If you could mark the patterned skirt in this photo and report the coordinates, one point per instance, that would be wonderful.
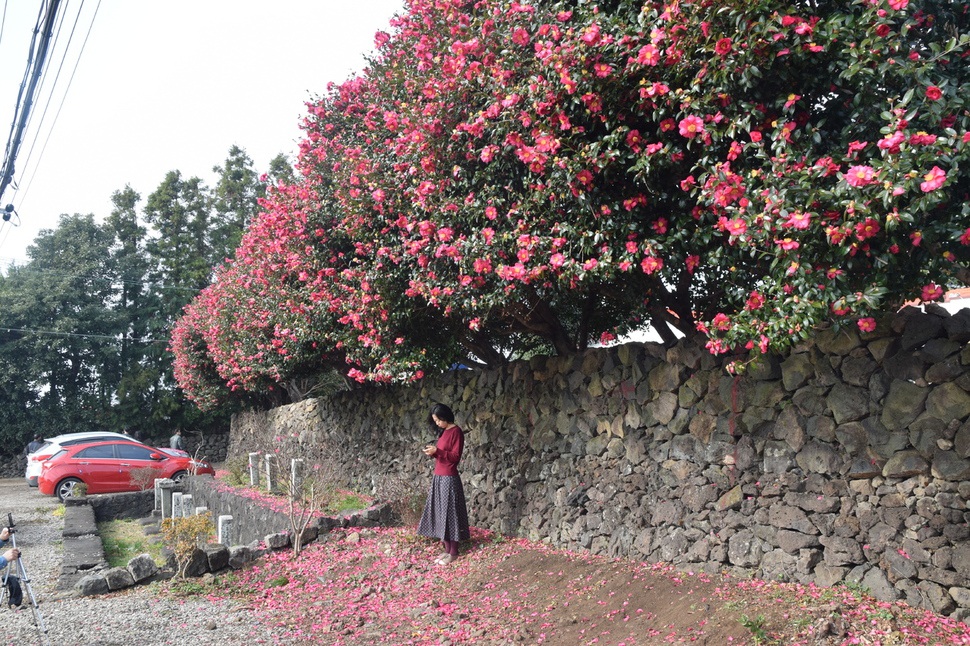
(445, 514)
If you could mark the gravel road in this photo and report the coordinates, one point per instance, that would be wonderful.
(135, 616)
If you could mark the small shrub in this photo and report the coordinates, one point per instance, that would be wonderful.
(405, 497)
(237, 471)
(183, 535)
(143, 478)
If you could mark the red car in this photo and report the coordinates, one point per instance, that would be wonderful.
(113, 466)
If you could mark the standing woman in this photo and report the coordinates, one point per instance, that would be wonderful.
(445, 514)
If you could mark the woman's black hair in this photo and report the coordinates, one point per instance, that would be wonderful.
(442, 412)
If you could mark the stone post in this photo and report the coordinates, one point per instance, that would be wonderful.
(166, 486)
(296, 477)
(225, 530)
(199, 511)
(158, 494)
(177, 504)
(270, 481)
(187, 506)
(254, 469)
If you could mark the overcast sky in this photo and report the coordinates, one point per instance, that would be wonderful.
(166, 85)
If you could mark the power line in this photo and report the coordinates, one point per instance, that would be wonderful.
(22, 194)
(25, 98)
(81, 336)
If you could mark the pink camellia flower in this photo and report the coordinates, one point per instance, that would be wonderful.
(867, 324)
(931, 292)
(721, 321)
(933, 179)
(755, 301)
(651, 264)
(736, 227)
(648, 55)
(965, 237)
(934, 93)
(691, 126)
(860, 175)
(898, 5)
(520, 36)
(798, 220)
(693, 261)
(723, 47)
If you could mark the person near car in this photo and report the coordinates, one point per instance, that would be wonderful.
(177, 441)
(10, 555)
(34, 444)
(445, 514)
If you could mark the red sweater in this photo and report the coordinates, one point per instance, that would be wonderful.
(448, 454)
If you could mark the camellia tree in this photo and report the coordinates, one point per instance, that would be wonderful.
(547, 175)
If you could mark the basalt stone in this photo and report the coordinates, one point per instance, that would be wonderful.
(812, 502)
(957, 326)
(118, 578)
(92, 584)
(905, 464)
(810, 401)
(764, 367)
(847, 403)
(790, 427)
(938, 350)
(838, 341)
(903, 404)
(792, 542)
(853, 437)
(897, 565)
(142, 567)
(787, 517)
(948, 402)
(217, 556)
(919, 329)
(821, 428)
(936, 597)
(857, 370)
(702, 427)
(819, 458)
(778, 565)
(730, 500)
(744, 549)
(960, 595)
(879, 585)
(198, 563)
(946, 370)
(960, 560)
(827, 576)
(778, 457)
(961, 443)
(663, 408)
(796, 370)
(665, 377)
(947, 465)
(841, 551)
(905, 366)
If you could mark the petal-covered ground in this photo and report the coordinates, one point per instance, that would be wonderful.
(381, 586)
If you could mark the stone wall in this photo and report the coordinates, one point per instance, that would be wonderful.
(252, 521)
(212, 447)
(845, 461)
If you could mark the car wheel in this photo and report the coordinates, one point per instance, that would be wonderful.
(179, 476)
(65, 488)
